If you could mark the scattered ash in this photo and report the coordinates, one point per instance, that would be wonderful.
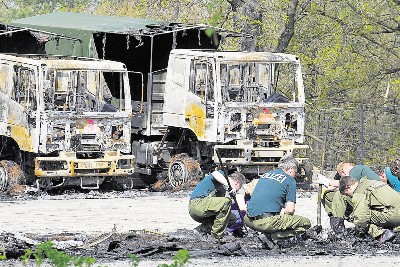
(153, 245)
(77, 193)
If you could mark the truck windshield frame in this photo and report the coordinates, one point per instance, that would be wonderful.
(84, 90)
(258, 82)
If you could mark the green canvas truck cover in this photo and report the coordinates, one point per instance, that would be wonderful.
(93, 35)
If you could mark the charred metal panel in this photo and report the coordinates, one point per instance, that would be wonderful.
(110, 163)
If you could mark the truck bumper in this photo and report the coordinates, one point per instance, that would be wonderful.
(67, 164)
(252, 159)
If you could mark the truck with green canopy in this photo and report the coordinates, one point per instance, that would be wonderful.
(189, 98)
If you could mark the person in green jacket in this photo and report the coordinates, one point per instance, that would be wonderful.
(376, 207)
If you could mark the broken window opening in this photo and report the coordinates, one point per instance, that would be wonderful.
(285, 82)
(84, 91)
(255, 82)
(25, 87)
(202, 78)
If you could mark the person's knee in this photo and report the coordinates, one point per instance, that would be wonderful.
(226, 203)
(232, 219)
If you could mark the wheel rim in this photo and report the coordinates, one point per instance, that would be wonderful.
(3, 179)
(177, 173)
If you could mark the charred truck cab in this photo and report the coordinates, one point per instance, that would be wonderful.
(63, 121)
(248, 105)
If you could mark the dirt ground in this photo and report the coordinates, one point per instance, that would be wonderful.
(108, 226)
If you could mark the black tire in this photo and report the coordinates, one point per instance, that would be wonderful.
(12, 176)
(183, 169)
(3, 178)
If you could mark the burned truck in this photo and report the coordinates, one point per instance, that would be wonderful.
(195, 99)
(247, 105)
(63, 121)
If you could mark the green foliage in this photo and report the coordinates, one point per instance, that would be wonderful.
(179, 260)
(3, 255)
(349, 50)
(25, 258)
(56, 258)
(215, 13)
(60, 259)
(25, 8)
(134, 260)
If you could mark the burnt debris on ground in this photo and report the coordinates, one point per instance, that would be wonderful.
(155, 245)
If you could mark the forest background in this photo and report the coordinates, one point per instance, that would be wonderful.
(349, 50)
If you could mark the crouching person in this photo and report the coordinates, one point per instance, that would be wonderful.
(376, 207)
(276, 190)
(210, 204)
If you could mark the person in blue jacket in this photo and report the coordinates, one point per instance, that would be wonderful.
(392, 174)
(211, 202)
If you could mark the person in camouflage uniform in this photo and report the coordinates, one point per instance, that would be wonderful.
(376, 207)
(338, 206)
(211, 203)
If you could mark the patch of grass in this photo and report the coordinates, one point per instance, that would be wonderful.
(134, 260)
(3, 254)
(56, 258)
(179, 260)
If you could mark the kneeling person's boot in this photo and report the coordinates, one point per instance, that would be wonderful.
(387, 235)
(266, 241)
(290, 242)
(312, 233)
(337, 225)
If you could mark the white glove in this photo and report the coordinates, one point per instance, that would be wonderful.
(321, 179)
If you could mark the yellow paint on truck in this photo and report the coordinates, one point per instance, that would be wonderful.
(197, 119)
(22, 137)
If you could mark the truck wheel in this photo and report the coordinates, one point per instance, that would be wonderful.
(12, 177)
(183, 169)
(3, 179)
